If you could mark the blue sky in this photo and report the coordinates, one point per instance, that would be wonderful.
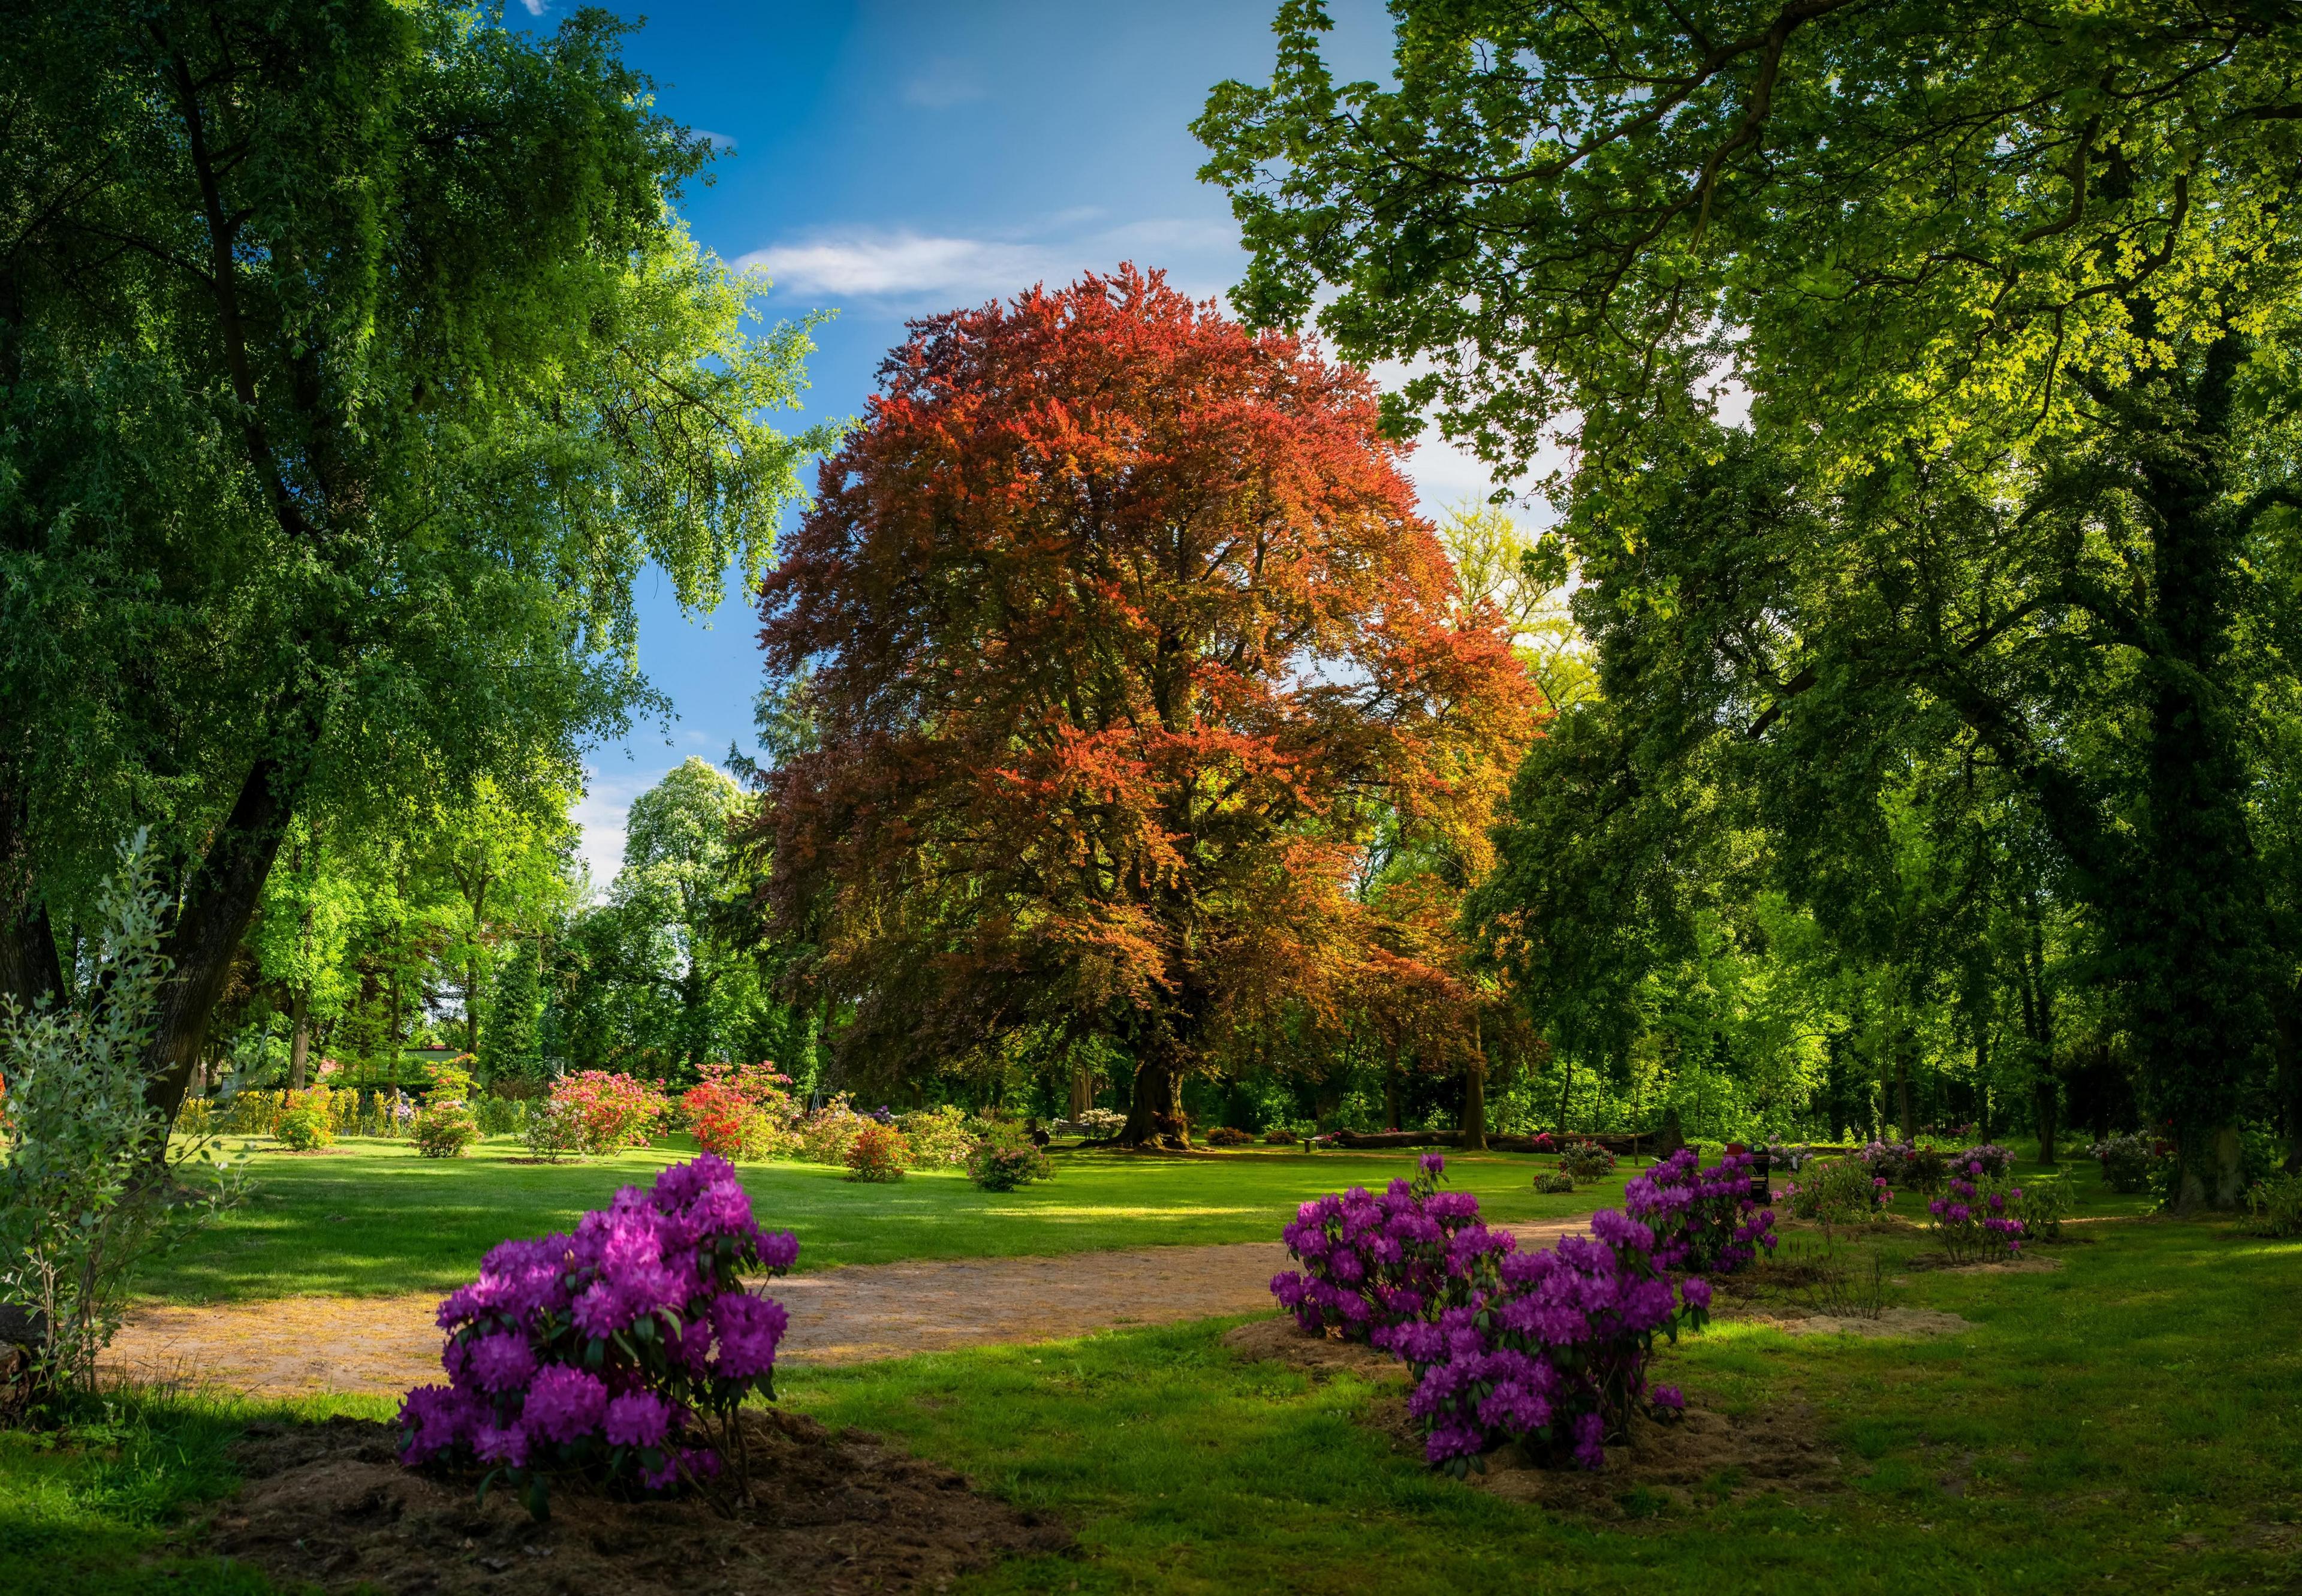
(891, 160)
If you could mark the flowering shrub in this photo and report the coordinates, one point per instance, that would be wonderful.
(622, 1351)
(1101, 1123)
(1995, 1161)
(1370, 1263)
(1279, 1135)
(1555, 1357)
(1840, 1191)
(1553, 1181)
(878, 1152)
(825, 1136)
(939, 1137)
(443, 1129)
(1587, 1161)
(610, 1112)
(304, 1128)
(1788, 1157)
(553, 1131)
(2128, 1163)
(1703, 1221)
(1229, 1136)
(1548, 1349)
(1005, 1158)
(1886, 1160)
(1971, 1219)
(1543, 1141)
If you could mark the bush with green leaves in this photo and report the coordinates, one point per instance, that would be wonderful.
(304, 1128)
(2275, 1205)
(1229, 1136)
(1587, 1161)
(1553, 1183)
(939, 1138)
(554, 1131)
(1839, 1191)
(444, 1130)
(2128, 1164)
(1005, 1158)
(80, 1207)
(2046, 1201)
(500, 1116)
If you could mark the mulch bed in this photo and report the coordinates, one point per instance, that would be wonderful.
(329, 1504)
(1703, 1457)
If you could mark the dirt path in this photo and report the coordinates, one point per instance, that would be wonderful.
(299, 1346)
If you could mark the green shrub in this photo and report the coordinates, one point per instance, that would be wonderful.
(2046, 1200)
(877, 1152)
(1553, 1183)
(2127, 1163)
(1279, 1135)
(1586, 1161)
(1839, 1191)
(1229, 1136)
(443, 1130)
(2276, 1205)
(304, 1128)
(196, 1119)
(1006, 1159)
(939, 1138)
(500, 1116)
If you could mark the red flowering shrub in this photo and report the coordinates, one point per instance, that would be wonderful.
(741, 1111)
(878, 1152)
(607, 1112)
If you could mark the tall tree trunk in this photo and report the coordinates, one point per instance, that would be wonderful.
(1391, 1095)
(1156, 1116)
(299, 1042)
(218, 902)
(1474, 1091)
(1082, 1093)
(1904, 1041)
(472, 997)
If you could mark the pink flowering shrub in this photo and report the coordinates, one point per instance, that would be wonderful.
(741, 1111)
(621, 1352)
(1370, 1263)
(1705, 1221)
(1972, 1218)
(1548, 1348)
(608, 1112)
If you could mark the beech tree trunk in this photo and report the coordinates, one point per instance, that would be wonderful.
(1156, 1117)
(1474, 1091)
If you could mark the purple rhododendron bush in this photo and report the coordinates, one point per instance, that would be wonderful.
(621, 1352)
(1548, 1349)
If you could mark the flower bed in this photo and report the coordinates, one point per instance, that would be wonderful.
(1548, 1348)
(621, 1352)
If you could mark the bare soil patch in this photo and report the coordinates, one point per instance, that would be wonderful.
(329, 1504)
(1702, 1458)
(2023, 1264)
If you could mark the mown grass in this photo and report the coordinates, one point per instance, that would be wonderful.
(2130, 1421)
(371, 1217)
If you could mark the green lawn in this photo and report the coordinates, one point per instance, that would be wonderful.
(374, 1217)
(2130, 1422)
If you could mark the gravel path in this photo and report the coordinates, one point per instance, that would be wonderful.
(299, 1346)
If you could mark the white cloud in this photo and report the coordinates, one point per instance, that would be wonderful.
(716, 141)
(534, 7)
(917, 268)
(944, 82)
(600, 816)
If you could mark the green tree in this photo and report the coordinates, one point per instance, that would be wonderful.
(354, 362)
(2012, 295)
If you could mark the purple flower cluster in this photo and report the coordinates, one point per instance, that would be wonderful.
(1995, 1160)
(1370, 1262)
(1971, 1217)
(599, 1350)
(1549, 1348)
(1705, 1221)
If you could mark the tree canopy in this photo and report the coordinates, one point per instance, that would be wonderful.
(1123, 643)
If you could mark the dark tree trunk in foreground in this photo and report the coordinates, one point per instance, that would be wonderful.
(219, 903)
(1475, 1098)
(1156, 1116)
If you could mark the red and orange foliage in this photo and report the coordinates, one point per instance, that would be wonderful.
(1125, 643)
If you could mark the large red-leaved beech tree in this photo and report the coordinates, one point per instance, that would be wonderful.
(1123, 643)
